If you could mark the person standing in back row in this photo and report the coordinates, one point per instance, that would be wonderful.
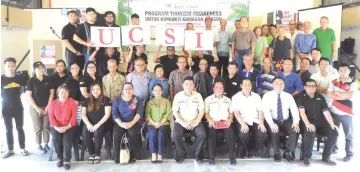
(222, 44)
(325, 39)
(168, 61)
(304, 43)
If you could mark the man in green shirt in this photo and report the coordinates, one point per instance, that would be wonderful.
(325, 37)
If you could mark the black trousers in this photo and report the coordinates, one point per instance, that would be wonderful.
(71, 57)
(252, 143)
(93, 146)
(230, 139)
(63, 141)
(18, 115)
(223, 64)
(322, 127)
(133, 134)
(178, 135)
(285, 127)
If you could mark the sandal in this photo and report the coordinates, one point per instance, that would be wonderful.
(25, 153)
(91, 160)
(97, 160)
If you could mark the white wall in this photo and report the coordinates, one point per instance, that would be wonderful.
(99, 5)
(261, 7)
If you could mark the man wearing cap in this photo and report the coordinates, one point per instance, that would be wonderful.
(73, 50)
(304, 43)
(12, 106)
(243, 42)
(83, 34)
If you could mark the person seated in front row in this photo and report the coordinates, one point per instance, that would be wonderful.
(96, 111)
(215, 115)
(246, 106)
(62, 117)
(316, 119)
(188, 110)
(158, 114)
(277, 105)
(127, 110)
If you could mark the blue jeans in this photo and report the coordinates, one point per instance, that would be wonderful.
(239, 57)
(156, 137)
(346, 122)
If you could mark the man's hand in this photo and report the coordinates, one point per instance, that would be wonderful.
(334, 127)
(125, 125)
(244, 128)
(274, 128)
(160, 47)
(194, 123)
(228, 122)
(301, 55)
(296, 128)
(40, 111)
(211, 123)
(131, 47)
(310, 127)
(262, 128)
(157, 124)
(216, 58)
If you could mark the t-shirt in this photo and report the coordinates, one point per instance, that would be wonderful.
(260, 44)
(84, 33)
(243, 40)
(68, 32)
(74, 87)
(169, 65)
(101, 64)
(281, 48)
(232, 85)
(87, 81)
(10, 91)
(324, 40)
(40, 90)
(57, 81)
(96, 115)
(130, 67)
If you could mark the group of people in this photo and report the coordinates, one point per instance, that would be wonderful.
(200, 92)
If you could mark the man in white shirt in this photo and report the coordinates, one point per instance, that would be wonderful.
(315, 67)
(291, 34)
(217, 110)
(188, 110)
(278, 106)
(249, 115)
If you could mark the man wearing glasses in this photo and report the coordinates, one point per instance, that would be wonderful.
(169, 61)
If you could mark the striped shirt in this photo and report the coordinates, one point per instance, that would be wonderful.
(342, 107)
(267, 80)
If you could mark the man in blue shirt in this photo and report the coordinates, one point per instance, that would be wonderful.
(304, 43)
(293, 83)
(253, 74)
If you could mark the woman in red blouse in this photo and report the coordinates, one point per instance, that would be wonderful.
(62, 115)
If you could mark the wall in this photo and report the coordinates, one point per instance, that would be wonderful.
(99, 5)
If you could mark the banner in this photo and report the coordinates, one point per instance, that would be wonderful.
(283, 18)
(169, 36)
(105, 36)
(199, 40)
(135, 35)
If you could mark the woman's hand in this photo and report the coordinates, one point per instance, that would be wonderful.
(40, 111)
(89, 127)
(95, 127)
(157, 124)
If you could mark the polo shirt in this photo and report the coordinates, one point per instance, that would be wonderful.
(158, 109)
(196, 59)
(314, 107)
(218, 108)
(342, 107)
(113, 87)
(169, 64)
(324, 40)
(322, 81)
(57, 81)
(260, 44)
(189, 107)
(266, 81)
(67, 33)
(96, 115)
(163, 82)
(316, 68)
(10, 91)
(127, 110)
(62, 113)
(211, 82)
(40, 90)
(74, 86)
(130, 67)
(223, 38)
(255, 77)
(304, 43)
(304, 76)
(247, 106)
(140, 84)
(243, 40)
(176, 79)
(281, 48)
(269, 106)
(84, 33)
(292, 82)
(87, 81)
(232, 85)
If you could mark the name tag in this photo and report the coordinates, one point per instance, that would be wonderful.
(234, 83)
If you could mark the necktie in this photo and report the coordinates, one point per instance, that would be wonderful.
(279, 111)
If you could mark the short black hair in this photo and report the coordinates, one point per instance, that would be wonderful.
(158, 66)
(324, 59)
(272, 25)
(181, 57)
(344, 65)
(214, 65)
(135, 16)
(189, 24)
(306, 59)
(264, 25)
(277, 77)
(89, 9)
(9, 59)
(109, 12)
(237, 21)
(233, 63)
(217, 82)
(170, 47)
(310, 80)
(246, 79)
(188, 78)
(71, 11)
(315, 49)
(157, 84)
(288, 59)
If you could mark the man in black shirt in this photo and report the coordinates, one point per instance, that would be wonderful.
(316, 118)
(169, 61)
(280, 47)
(12, 106)
(232, 81)
(195, 60)
(109, 18)
(73, 50)
(303, 72)
(83, 34)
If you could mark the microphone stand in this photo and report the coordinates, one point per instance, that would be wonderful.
(53, 31)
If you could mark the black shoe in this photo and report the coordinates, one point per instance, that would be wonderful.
(189, 141)
(67, 166)
(348, 158)
(244, 155)
(8, 154)
(132, 161)
(329, 161)
(60, 163)
(250, 155)
(154, 162)
(233, 161)
(47, 148)
(117, 162)
(41, 150)
(212, 162)
(289, 157)
(198, 160)
(335, 150)
(180, 160)
(277, 156)
(307, 162)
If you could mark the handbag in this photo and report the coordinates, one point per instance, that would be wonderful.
(124, 150)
